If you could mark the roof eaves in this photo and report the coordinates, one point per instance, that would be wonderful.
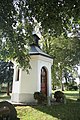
(45, 55)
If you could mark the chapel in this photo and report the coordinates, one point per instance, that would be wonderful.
(38, 79)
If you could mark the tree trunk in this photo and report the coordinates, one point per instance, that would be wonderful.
(61, 78)
(62, 87)
(8, 89)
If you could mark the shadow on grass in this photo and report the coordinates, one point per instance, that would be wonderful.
(68, 111)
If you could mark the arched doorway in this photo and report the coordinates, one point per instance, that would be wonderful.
(44, 81)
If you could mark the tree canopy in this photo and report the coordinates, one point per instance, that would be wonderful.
(6, 72)
(15, 32)
(17, 23)
(56, 16)
(65, 52)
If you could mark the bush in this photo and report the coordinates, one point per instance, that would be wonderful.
(73, 87)
(59, 96)
(40, 97)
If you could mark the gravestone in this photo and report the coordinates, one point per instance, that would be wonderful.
(7, 111)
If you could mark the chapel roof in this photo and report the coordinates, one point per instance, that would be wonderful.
(36, 50)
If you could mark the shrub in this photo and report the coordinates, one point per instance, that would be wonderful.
(73, 87)
(59, 96)
(40, 97)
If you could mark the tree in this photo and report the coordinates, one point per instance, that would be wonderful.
(70, 76)
(17, 21)
(15, 32)
(65, 52)
(6, 73)
(56, 16)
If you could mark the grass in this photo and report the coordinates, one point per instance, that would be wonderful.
(68, 111)
(72, 94)
(3, 96)
(55, 112)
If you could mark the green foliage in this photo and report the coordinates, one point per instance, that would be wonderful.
(65, 53)
(70, 76)
(73, 87)
(56, 15)
(17, 23)
(63, 50)
(40, 97)
(6, 72)
(15, 32)
(59, 96)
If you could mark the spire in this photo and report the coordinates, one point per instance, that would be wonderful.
(36, 39)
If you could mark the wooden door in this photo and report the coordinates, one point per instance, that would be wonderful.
(44, 81)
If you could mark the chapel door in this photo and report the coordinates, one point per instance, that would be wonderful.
(44, 81)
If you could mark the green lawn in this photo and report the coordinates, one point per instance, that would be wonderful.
(72, 95)
(55, 112)
(68, 111)
(3, 96)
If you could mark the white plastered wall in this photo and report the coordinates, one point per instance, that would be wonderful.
(24, 89)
